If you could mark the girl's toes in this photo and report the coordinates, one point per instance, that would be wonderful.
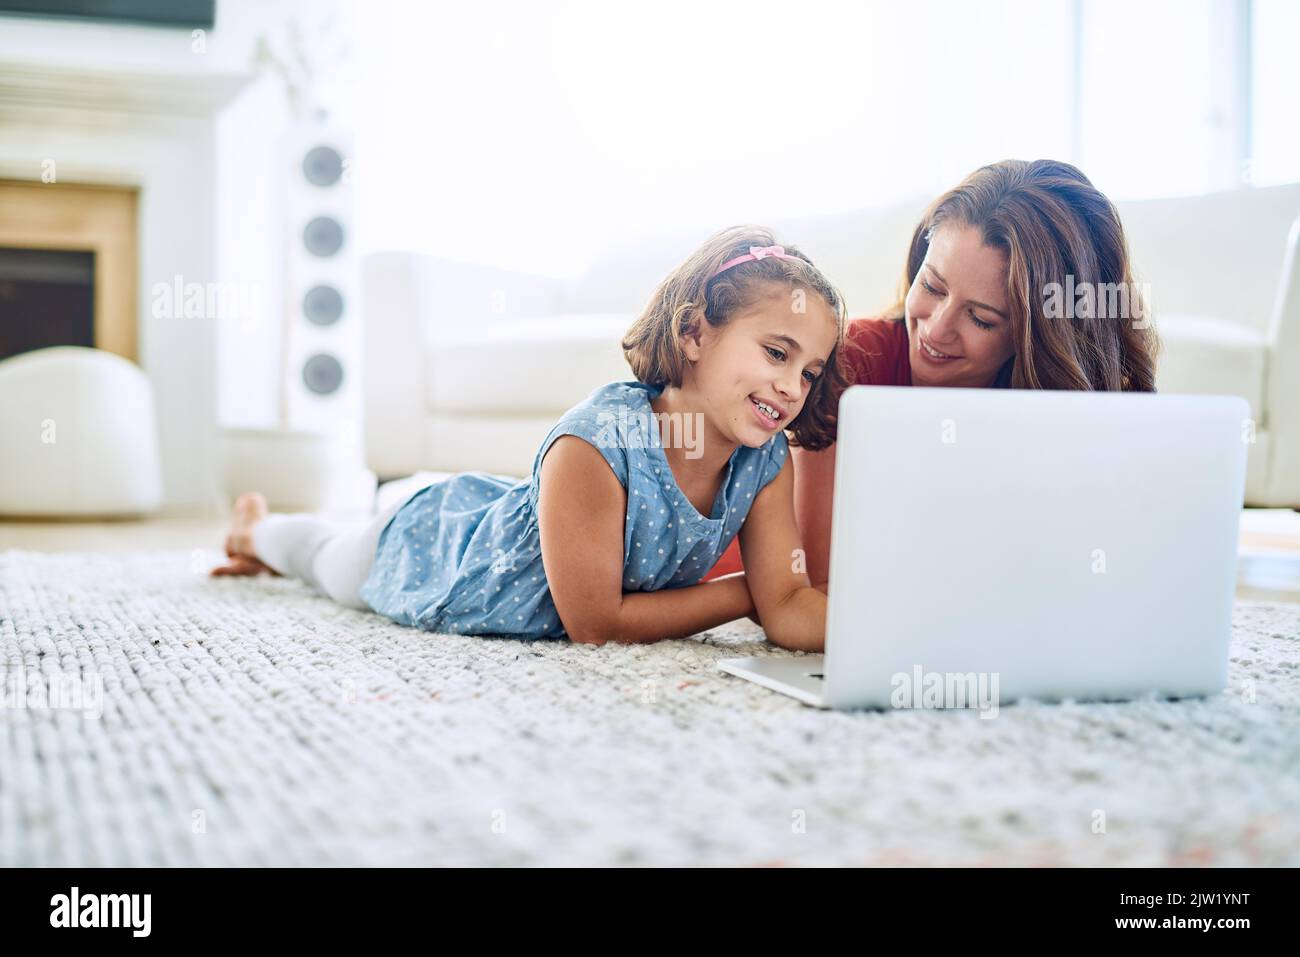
(239, 565)
(250, 507)
(261, 565)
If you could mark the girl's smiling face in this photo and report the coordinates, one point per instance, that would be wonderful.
(769, 354)
(958, 325)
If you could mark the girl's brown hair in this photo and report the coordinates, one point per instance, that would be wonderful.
(653, 343)
(1052, 223)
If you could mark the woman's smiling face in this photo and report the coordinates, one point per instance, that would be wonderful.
(957, 307)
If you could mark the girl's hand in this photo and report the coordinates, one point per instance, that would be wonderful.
(780, 588)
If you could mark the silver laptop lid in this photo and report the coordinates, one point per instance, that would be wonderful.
(1071, 544)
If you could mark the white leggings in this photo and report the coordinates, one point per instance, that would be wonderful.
(332, 557)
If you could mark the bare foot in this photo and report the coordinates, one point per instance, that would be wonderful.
(241, 565)
(249, 509)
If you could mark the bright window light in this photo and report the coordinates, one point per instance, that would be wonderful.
(532, 135)
(1275, 93)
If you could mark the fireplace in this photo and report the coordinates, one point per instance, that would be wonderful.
(68, 267)
(47, 298)
(109, 145)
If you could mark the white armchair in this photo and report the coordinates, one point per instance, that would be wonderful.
(468, 367)
(79, 435)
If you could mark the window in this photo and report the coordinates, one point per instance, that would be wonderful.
(1274, 155)
(531, 135)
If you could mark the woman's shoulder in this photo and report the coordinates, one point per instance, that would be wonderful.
(875, 350)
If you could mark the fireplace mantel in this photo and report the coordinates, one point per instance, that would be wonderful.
(134, 108)
(63, 87)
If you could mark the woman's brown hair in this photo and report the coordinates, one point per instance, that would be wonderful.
(653, 343)
(1051, 223)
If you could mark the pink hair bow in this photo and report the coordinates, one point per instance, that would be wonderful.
(755, 254)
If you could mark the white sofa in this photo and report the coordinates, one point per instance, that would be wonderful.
(468, 366)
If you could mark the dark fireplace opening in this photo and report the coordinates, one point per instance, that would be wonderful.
(47, 298)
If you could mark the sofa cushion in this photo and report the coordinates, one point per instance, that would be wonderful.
(538, 365)
(1211, 357)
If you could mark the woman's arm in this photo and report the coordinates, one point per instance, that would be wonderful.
(814, 487)
(581, 510)
(793, 613)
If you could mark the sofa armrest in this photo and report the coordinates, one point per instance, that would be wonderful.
(393, 364)
(410, 301)
(1283, 383)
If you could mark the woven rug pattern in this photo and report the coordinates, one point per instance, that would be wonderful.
(252, 722)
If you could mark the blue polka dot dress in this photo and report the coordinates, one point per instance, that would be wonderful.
(464, 556)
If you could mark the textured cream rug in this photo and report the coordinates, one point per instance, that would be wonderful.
(247, 721)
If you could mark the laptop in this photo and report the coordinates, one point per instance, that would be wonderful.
(994, 545)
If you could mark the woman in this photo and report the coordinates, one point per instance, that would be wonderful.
(974, 314)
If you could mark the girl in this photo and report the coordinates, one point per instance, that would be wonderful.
(634, 494)
(972, 315)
